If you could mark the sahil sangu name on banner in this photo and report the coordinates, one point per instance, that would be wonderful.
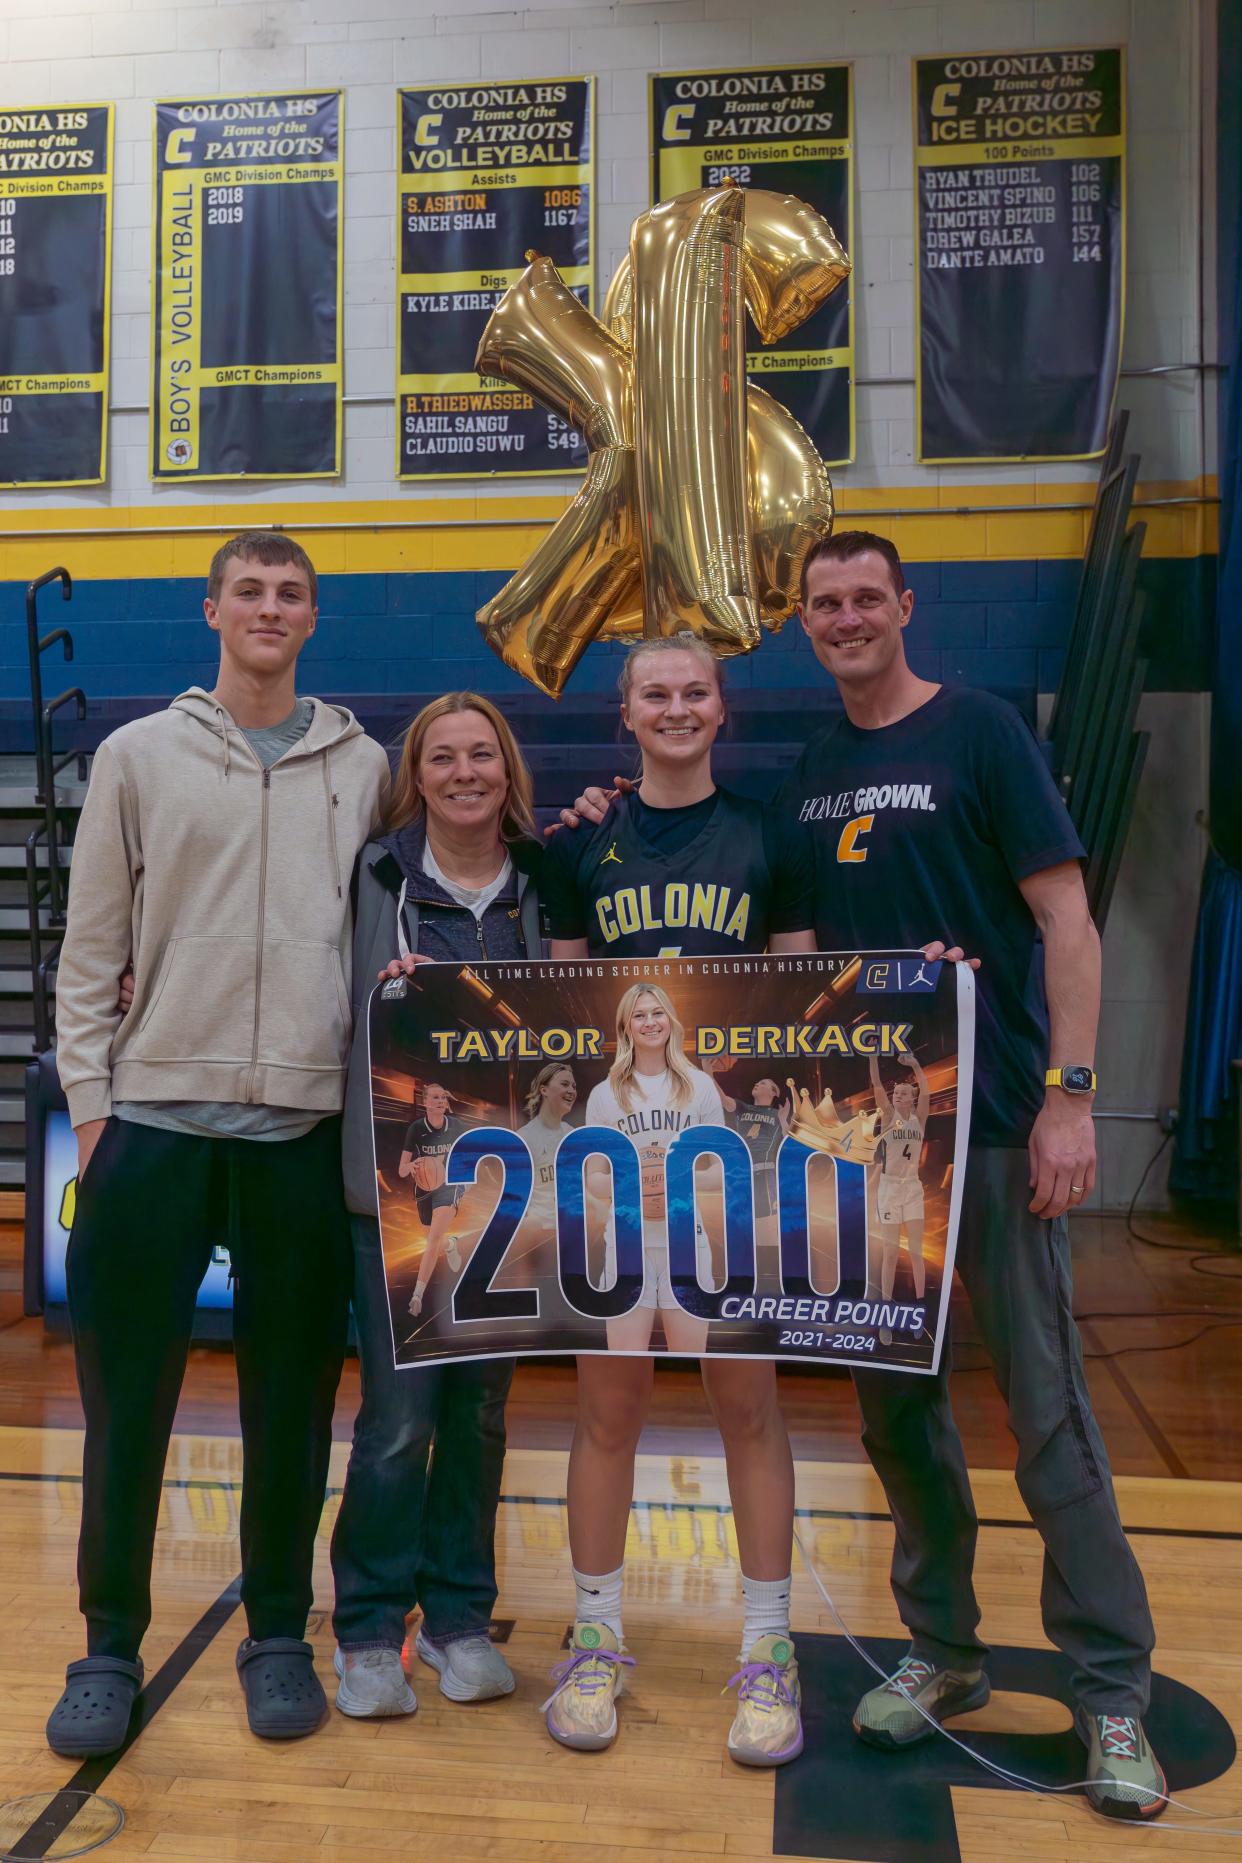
(55, 264)
(755, 1156)
(246, 315)
(488, 173)
(789, 129)
(1021, 253)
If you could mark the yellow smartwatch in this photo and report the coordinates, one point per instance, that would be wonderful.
(1071, 1079)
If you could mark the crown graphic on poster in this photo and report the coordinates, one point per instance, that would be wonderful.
(702, 494)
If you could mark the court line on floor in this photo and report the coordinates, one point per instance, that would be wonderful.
(37, 1839)
(720, 1507)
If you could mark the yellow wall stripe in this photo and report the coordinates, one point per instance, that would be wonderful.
(954, 523)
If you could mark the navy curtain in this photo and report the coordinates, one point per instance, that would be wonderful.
(1206, 1158)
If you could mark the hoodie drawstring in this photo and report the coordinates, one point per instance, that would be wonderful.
(331, 807)
(222, 715)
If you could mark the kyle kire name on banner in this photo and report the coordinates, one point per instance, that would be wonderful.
(773, 1146)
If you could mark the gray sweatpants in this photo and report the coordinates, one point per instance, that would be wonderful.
(1016, 1270)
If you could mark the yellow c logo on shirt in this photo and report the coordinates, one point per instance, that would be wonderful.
(847, 847)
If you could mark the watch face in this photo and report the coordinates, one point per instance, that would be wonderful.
(1076, 1079)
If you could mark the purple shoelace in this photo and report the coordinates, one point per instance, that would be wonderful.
(751, 1677)
(590, 1682)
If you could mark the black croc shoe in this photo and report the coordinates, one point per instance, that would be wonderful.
(92, 1716)
(284, 1696)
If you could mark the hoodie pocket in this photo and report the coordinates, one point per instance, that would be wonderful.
(304, 1017)
(202, 1005)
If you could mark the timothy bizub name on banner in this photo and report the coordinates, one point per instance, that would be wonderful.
(1020, 171)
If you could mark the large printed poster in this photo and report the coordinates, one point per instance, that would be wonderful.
(1020, 272)
(789, 129)
(55, 267)
(752, 1156)
(246, 316)
(488, 174)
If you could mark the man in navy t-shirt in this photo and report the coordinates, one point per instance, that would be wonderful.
(934, 816)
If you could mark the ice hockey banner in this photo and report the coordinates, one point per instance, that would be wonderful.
(788, 128)
(488, 174)
(246, 277)
(55, 265)
(601, 1156)
(1020, 269)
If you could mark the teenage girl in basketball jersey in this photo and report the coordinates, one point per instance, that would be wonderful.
(899, 1194)
(678, 867)
(428, 1142)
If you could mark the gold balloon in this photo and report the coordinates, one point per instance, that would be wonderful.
(702, 494)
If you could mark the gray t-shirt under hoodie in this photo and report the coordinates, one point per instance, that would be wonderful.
(233, 1118)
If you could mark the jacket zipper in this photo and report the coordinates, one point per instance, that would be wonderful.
(478, 927)
(258, 961)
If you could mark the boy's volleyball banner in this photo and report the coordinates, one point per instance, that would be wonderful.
(55, 264)
(787, 128)
(246, 373)
(757, 1156)
(1021, 253)
(488, 174)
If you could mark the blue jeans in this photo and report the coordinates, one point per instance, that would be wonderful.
(418, 1517)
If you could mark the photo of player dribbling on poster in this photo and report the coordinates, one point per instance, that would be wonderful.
(701, 1156)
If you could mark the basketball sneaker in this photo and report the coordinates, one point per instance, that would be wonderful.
(767, 1728)
(452, 1254)
(416, 1304)
(581, 1710)
(470, 1668)
(1124, 1777)
(915, 1699)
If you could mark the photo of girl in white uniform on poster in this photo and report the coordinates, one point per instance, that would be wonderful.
(652, 1093)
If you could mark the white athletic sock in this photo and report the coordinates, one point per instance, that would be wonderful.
(767, 1609)
(598, 1599)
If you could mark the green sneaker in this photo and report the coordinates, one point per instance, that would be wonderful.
(1124, 1777)
(889, 1716)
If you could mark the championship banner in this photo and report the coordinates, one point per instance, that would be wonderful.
(1020, 281)
(600, 1156)
(55, 272)
(246, 309)
(488, 174)
(788, 128)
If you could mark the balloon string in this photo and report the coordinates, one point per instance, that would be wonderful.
(1037, 1786)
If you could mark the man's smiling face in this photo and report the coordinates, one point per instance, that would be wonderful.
(854, 616)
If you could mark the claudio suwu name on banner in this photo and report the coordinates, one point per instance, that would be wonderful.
(753, 1156)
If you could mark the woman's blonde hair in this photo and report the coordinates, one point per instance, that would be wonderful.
(621, 1073)
(534, 1095)
(405, 802)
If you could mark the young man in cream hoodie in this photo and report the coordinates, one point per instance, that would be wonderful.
(214, 854)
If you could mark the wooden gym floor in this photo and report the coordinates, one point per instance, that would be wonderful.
(485, 1782)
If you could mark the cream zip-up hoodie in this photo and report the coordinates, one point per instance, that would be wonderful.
(228, 885)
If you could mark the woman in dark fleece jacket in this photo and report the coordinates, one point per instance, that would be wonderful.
(451, 877)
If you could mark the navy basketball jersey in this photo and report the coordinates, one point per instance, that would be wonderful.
(740, 878)
(761, 1127)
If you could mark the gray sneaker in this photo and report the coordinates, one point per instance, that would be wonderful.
(471, 1668)
(889, 1716)
(372, 1686)
(1124, 1778)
